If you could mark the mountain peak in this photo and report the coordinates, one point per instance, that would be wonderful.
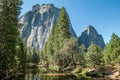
(89, 27)
(35, 7)
(90, 30)
(38, 7)
(90, 35)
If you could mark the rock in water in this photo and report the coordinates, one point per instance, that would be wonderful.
(90, 35)
(37, 24)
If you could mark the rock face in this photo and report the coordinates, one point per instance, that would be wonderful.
(90, 35)
(37, 24)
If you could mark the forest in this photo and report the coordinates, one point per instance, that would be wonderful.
(61, 54)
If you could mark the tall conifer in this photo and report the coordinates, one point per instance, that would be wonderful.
(9, 33)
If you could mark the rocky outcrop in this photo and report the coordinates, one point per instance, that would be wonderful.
(37, 24)
(90, 35)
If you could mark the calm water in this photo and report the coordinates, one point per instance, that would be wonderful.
(39, 76)
(53, 77)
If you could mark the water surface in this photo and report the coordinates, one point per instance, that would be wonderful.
(39, 76)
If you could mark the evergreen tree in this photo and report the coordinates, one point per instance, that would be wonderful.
(21, 55)
(62, 29)
(94, 55)
(59, 33)
(111, 51)
(49, 46)
(35, 57)
(9, 34)
(56, 39)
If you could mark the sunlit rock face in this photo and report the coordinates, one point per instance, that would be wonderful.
(37, 24)
(90, 35)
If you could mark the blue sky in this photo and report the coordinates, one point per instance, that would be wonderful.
(104, 15)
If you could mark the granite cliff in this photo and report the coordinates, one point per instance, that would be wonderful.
(37, 24)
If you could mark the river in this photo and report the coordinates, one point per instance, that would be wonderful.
(55, 76)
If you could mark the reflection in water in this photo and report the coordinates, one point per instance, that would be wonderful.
(37, 75)
(52, 77)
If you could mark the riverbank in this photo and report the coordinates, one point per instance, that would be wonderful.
(107, 71)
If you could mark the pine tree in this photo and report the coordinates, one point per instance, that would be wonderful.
(59, 33)
(56, 40)
(94, 55)
(111, 51)
(35, 56)
(62, 29)
(50, 43)
(21, 55)
(9, 34)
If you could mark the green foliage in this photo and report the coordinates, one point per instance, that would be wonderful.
(94, 55)
(54, 68)
(56, 40)
(61, 49)
(112, 50)
(80, 57)
(8, 31)
(77, 70)
(12, 52)
(61, 30)
(35, 57)
(73, 54)
(20, 56)
(84, 72)
(65, 52)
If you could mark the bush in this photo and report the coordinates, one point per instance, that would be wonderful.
(54, 68)
(84, 72)
(77, 70)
